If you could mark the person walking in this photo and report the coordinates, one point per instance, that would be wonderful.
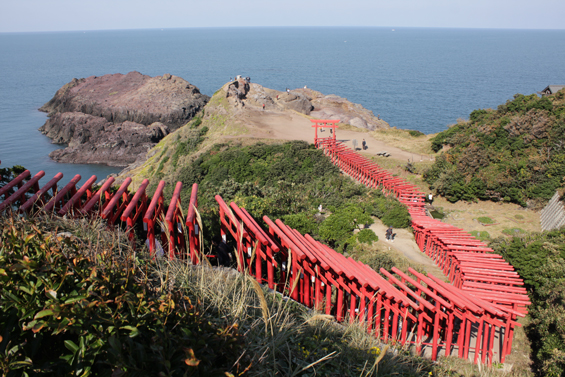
(263, 106)
(430, 198)
(389, 235)
(364, 143)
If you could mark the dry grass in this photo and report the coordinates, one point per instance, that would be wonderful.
(403, 140)
(283, 338)
(504, 215)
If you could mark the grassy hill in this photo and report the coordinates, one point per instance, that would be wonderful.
(514, 153)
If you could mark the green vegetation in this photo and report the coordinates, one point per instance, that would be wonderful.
(514, 154)
(514, 232)
(485, 220)
(197, 121)
(483, 236)
(416, 133)
(76, 301)
(367, 236)
(183, 148)
(7, 174)
(288, 181)
(540, 261)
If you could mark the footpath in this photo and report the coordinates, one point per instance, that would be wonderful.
(405, 245)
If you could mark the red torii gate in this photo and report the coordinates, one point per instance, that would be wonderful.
(324, 123)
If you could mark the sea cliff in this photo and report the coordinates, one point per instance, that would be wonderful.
(115, 118)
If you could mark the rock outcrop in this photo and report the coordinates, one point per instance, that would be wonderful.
(335, 107)
(115, 119)
(306, 101)
(94, 140)
(244, 93)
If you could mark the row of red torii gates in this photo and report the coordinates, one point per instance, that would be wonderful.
(475, 317)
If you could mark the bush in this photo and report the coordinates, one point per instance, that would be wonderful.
(196, 122)
(483, 236)
(548, 318)
(510, 154)
(540, 261)
(376, 260)
(183, 148)
(67, 309)
(485, 220)
(302, 222)
(397, 217)
(514, 232)
(416, 133)
(337, 229)
(367, 236)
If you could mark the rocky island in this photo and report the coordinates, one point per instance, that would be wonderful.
(115, 119)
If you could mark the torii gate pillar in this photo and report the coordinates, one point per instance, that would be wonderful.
(324, 123)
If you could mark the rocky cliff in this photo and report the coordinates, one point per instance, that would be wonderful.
(305, 101)
(334, 107)
(114, 119)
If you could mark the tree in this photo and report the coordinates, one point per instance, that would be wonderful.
(339, 226)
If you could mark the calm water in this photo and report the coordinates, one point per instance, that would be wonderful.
(421, 79)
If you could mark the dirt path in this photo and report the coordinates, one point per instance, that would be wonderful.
(288, 125)
(405, 245)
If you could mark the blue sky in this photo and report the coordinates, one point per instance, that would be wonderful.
(59, 15)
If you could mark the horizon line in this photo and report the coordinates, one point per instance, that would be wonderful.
(287, 26)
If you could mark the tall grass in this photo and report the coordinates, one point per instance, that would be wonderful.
(282, 337)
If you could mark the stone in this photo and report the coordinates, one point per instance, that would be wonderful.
(114, 119)
(94, 140)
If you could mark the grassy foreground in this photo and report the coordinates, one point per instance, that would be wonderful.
(76, 299)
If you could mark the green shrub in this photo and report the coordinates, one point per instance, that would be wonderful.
(70, 310)
(416, 133)
(514, 232)
(540, 260)
(497, 156)
(303, 222)
(184, 148)
(481, 235)
(548, 316)
(485, 220)
(378, 260)
(8, 174)
(337, 229)
(367, 236)
(397, 216)
(196, 122)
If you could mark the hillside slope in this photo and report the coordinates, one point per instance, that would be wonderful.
(514, 153)
(225, 120)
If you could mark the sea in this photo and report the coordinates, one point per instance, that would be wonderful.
(414, 78)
